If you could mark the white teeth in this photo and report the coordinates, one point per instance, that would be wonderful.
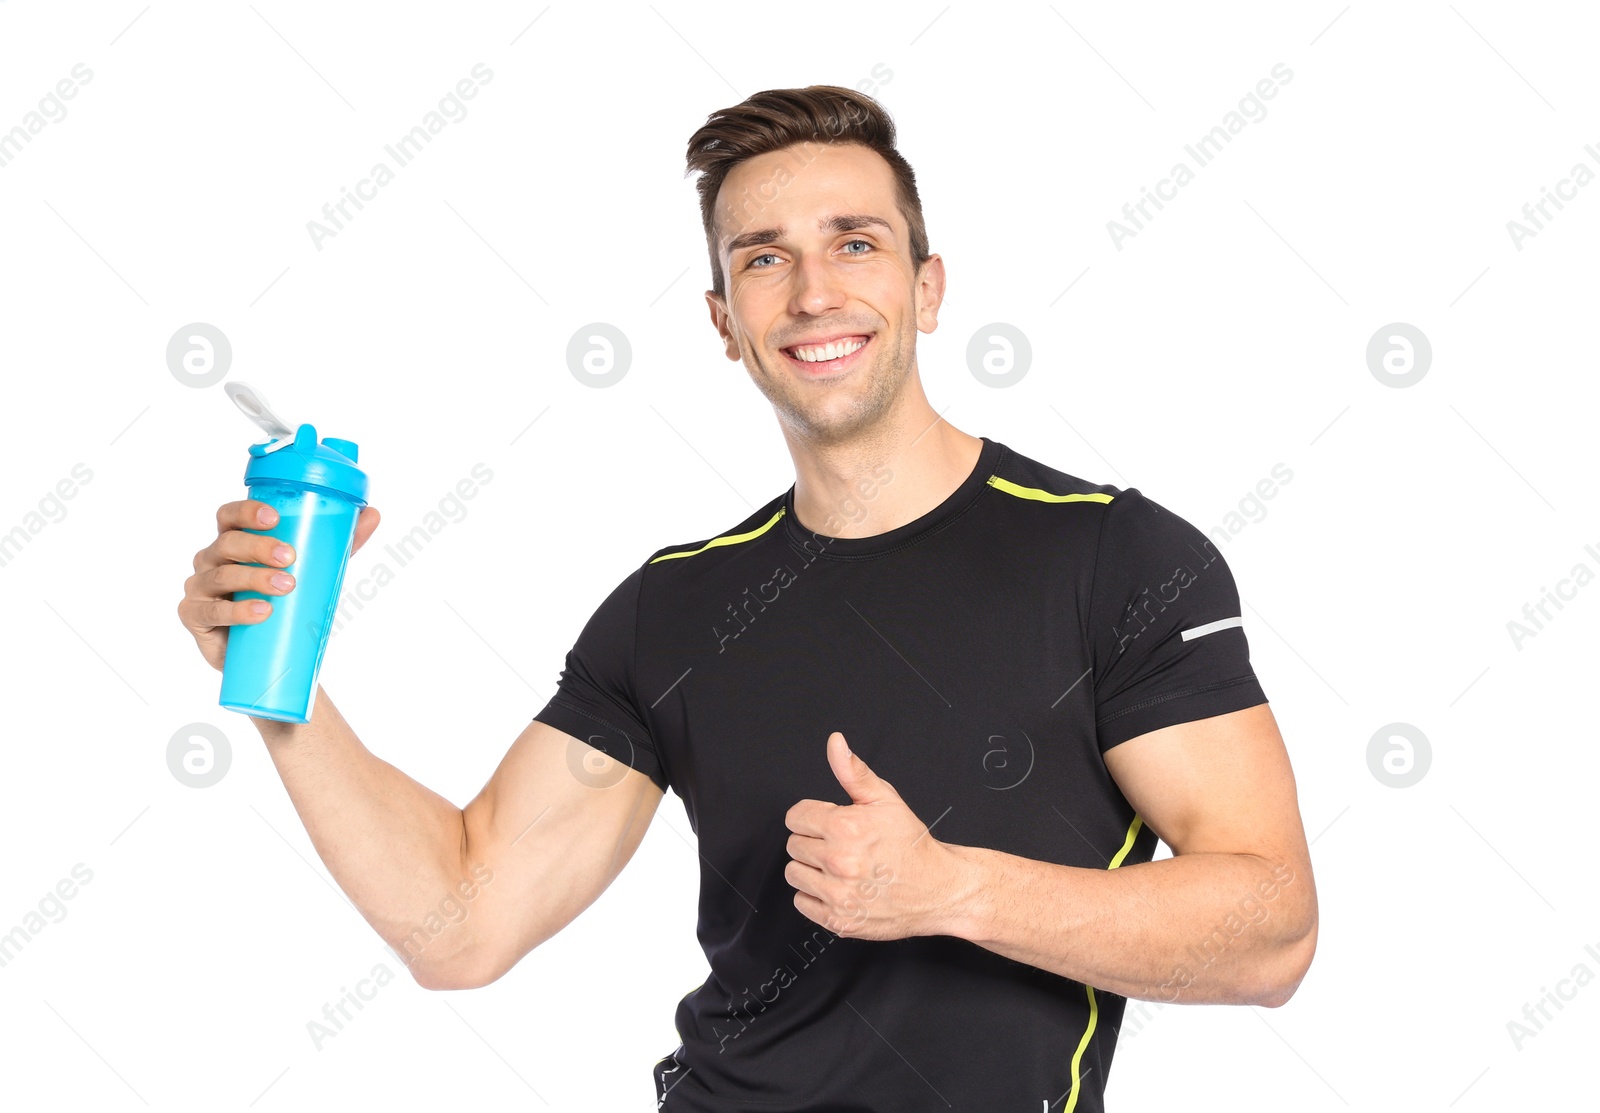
(827, 351)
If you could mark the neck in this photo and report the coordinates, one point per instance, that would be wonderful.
(891, 474)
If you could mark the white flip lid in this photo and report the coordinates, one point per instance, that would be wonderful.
(253, 404)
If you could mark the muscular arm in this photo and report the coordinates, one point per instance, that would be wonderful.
(462, 894)
(1231, 918)
(557, 821)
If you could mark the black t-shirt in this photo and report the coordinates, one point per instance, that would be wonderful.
(981, 659)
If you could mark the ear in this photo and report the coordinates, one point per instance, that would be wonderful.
(929, 293)
(718, 306)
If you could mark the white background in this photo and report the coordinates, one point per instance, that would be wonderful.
(1227, 336)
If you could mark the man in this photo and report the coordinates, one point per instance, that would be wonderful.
(928, 711)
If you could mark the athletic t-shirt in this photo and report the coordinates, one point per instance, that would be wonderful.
(981, 659)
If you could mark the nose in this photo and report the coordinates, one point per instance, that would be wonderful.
(818, 288)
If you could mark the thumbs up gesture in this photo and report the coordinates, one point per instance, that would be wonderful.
(870, 869)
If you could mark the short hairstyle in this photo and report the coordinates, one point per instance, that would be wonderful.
(777, 118)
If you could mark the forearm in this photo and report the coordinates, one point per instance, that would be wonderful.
(394, 846)
(1197, 928)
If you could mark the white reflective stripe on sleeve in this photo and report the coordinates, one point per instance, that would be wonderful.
(1213, 627)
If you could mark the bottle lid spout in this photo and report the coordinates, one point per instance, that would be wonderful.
(253, 404)
(330, 465)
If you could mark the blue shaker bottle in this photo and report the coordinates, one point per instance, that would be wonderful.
(270, 670)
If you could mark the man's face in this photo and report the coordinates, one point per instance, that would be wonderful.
(815, 250)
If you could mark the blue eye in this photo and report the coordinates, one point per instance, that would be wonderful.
(769, 255)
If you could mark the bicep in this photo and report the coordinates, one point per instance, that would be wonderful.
(555, 824)
(1222, 784)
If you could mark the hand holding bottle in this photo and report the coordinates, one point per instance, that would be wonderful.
(238, 561)
(286, 546)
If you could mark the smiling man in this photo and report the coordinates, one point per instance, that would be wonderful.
(1038, 675)
(928, 710)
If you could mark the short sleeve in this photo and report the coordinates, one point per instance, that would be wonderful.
(596, 698)
(1167, 637)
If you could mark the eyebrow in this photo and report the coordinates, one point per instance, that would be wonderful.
(843, 222)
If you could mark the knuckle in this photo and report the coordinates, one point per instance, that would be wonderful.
(204, 584)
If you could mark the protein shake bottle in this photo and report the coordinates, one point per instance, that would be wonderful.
(270, 670)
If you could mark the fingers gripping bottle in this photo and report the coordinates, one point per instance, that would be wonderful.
(270, 670)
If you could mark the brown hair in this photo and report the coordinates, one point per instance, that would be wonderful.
(777, 118)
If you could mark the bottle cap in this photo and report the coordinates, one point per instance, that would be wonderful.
(295, 455)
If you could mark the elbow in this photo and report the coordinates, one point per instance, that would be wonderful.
(439, 980)
(463, 969)
(1289, 970)
(434, 975)
(1277, 995)
(472, 968)
(451, 978)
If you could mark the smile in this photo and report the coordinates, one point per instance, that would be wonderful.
(821, 359)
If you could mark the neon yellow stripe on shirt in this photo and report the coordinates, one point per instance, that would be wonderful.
(1040, 495)
(1133, 833)
(1094, 1008)
(728, 539)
